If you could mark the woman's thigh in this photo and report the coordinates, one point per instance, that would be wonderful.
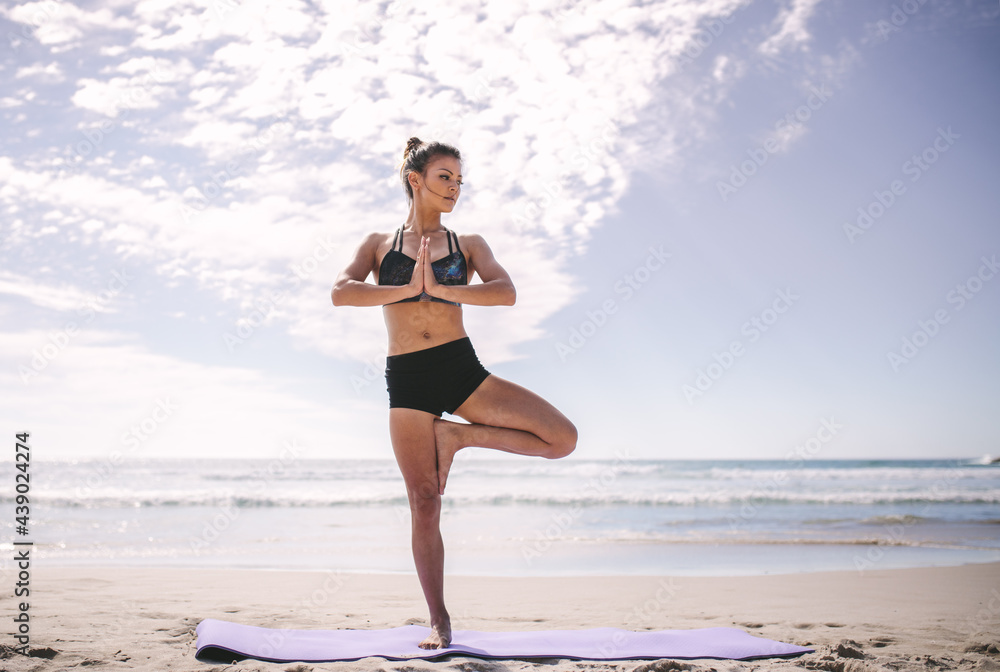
(412, 435)
(500, 403)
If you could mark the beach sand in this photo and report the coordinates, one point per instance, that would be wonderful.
(928, 619)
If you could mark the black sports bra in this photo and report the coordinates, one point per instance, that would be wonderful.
(397, 268)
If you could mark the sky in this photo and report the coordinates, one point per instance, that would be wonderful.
(746, 230)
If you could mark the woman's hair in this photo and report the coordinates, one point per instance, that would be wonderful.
(417, 155)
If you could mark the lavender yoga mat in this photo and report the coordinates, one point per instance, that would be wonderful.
(224, 642)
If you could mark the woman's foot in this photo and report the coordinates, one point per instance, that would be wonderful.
(440, 637)
(447, 440)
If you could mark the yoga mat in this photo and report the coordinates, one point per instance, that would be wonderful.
(224, 642)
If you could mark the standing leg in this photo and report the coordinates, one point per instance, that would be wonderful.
(412, 434)
(507, 417)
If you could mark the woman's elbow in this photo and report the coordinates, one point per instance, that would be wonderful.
(337, 294)
(511, 297)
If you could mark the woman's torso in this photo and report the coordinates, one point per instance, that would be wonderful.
(420, 324)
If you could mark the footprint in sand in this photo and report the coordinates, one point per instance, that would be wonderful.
(848, 648)
(7, 651)
(982, 646)
(663, 666)
(479, 666)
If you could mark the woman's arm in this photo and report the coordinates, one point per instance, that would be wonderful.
(350, 289)
(496, 288)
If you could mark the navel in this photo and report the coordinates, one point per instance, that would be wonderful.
(427, 334)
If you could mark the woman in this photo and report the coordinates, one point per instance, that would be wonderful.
(422, 271)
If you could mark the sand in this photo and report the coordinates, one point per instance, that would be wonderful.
(944, 618)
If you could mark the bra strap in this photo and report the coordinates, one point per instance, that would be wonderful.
(448, 234)
(399, 236)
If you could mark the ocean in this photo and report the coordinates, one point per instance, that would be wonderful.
(515, 516)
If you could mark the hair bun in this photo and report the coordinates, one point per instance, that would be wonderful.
(416, 157)
(412, 144)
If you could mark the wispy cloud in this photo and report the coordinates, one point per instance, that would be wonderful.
(62, 298)
(219, 147)
(107, 383)
(791, 30)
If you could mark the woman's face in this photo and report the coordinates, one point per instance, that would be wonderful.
(443, 182)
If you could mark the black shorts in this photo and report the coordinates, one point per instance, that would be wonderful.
(436, 380)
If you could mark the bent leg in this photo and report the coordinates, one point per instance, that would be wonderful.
(412, 435)
(507, 417)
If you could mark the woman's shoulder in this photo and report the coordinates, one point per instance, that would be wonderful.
(472, 242)
(375, 244)
(379, 238)
(469, 238)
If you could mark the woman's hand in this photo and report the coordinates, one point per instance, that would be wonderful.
(430, 280)
(416, 283)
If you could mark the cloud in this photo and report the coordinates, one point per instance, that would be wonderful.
(61, 25)
(50, 73)
(259, 138)
(791, 28)
(105, 391)
(63, 298)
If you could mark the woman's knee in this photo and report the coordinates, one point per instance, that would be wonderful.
(425, 502)
(563, 441)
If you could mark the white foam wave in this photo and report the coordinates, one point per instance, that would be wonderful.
(396, 497)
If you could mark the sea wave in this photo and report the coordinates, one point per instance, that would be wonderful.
(396, 497)
(896, 519)
(750, 540)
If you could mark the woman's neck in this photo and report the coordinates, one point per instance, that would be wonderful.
(422, 222)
